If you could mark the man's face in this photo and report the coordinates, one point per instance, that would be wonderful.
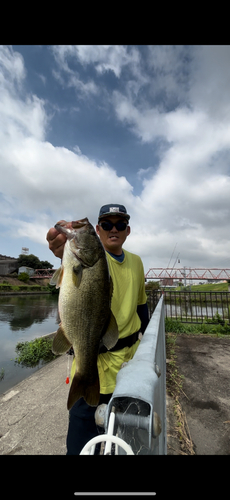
(113, 239)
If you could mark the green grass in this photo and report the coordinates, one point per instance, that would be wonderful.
(207, 287)
(175, 326)
(4, 287)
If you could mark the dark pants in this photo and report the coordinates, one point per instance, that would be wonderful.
(82, 426)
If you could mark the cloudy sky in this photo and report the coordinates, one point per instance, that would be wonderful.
(144, 126)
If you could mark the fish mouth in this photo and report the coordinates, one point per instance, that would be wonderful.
(68, 228)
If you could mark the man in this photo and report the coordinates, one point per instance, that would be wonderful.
(128, 306)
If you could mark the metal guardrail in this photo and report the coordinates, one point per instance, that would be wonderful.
(193, 307)
(153, 297)
(139, 398)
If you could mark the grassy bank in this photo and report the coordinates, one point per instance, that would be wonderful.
(210, 287)
(7, 288)
(217, 329)
(23, 288)
(206, 287)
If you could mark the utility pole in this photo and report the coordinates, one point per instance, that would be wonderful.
(184, 273)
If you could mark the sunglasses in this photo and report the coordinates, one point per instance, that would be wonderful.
(107, 225)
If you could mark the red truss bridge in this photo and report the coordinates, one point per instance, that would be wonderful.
(43, 273)
(160, 273)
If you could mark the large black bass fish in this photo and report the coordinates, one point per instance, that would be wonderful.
(84, 307)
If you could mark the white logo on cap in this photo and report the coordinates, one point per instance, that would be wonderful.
(114, 209)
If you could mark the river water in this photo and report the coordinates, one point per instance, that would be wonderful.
(23, 318)
(30, 316)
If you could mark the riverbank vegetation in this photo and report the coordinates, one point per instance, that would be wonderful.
(219, 328)
(206, 287)
(6, 286)
(31, 352)
(210, 287)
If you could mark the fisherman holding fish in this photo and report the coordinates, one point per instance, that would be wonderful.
(102, 308)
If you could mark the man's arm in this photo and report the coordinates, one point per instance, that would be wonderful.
(143, 314)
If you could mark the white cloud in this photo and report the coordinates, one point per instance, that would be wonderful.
(169, 66)
(19, 116)
(211, 81)
(42, 78)
(105, 57)
(143, 172)
(47, 176)
(41, 179)
(188, 195)
(184, 199)
(67, 76)
(11, 66)
(146, 123)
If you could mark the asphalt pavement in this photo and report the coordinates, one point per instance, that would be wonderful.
(34, 416)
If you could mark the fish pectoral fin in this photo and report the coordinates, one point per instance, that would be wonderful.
(82, 388)
(57, 277)
(111, 335)
(77, 275)
(60, 343)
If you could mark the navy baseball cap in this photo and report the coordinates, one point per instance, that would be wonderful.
(113, 209)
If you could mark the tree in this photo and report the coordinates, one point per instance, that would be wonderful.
(152, 285)
(46, 265)
(33, 261)
(24, 277)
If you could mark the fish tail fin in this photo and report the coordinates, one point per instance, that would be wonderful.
(81, 387)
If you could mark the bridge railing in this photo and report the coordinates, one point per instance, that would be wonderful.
(43, 273)
(160, 273)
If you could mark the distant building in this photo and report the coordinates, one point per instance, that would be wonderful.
(8, 265)
(166, 282)
(217, 281)
(25, 269)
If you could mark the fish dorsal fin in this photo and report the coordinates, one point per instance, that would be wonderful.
(111, 335)
(77, 275)
(57, 277)
(60, 343)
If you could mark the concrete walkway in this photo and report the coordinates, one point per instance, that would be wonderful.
(33, 414)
